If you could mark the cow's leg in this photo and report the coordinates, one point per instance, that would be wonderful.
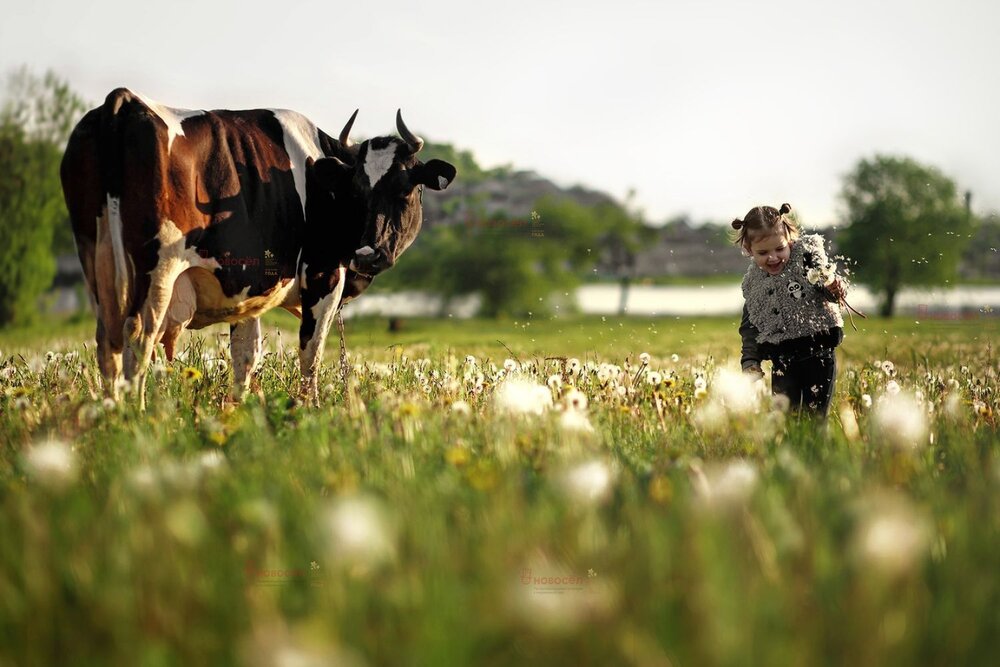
(345, 366)
(109, 360)
(183, 304)
(317, 316)
(143, 330)
(245, 344)
(99, 270)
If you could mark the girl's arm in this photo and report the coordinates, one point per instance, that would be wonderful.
(750, 356)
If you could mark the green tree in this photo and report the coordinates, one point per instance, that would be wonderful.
(516, 266)
(906, 225)
(36, 118)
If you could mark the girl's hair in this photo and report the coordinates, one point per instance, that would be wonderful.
(763, 220)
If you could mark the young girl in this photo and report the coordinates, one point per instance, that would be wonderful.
(790, 313)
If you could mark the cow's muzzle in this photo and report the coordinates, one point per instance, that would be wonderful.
(369, 262)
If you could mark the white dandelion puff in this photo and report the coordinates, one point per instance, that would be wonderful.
(212, 460)
(726, 486)
(52, 464)
(893, 537)
(588, 483)
(737, 391)
(575, 421)
(358, 532)
(575, 400)
(900, 421)
(517, 396)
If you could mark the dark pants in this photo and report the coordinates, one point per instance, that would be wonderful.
(808, 383)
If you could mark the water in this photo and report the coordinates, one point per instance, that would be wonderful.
(603, 299)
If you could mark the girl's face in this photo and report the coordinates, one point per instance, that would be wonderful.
(770, 252)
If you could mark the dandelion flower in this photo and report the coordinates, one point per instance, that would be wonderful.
(575, 421)
(51, 464)
(358, 532)
(674, 358)
(212, 460)
(893, 537)
(588, 483)
(725, 486)
(900, 422)
(517, 396)
(191, 373)
(461, 408)
(654, 378)
(575, 399)
(736, 391)
(891, 388)
(457, 455)
(644, 358)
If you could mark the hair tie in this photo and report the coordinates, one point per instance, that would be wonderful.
(785, 208)
(737, 223)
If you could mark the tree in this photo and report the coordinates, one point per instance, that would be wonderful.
(906, 225)
(515, 265)
(36, 118)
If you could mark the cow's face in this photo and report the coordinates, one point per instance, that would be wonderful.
(388, 180)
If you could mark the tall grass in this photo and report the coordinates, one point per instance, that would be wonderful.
(535, 492)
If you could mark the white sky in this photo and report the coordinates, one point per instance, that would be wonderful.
(704, 107)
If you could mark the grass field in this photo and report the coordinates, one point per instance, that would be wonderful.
(512, 493)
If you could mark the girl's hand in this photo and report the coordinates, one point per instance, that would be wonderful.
(837, 289)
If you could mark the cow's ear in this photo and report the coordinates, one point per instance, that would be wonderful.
(332, 174)
(435, 174)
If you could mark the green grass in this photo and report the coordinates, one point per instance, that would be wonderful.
(388, 526)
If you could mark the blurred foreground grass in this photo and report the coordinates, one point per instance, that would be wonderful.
(503, 493)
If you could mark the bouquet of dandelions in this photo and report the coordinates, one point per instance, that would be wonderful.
(825, 275)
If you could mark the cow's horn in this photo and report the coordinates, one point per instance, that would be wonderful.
(413, 141)
(345, 134)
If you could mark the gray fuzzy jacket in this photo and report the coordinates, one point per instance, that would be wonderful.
(787, 312)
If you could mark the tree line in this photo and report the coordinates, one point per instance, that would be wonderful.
(906, 224)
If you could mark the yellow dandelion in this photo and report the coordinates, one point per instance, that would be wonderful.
(482, 476)
(409, 409)
(191, 373)
(218, 436)
(457, 456)
(661, 490)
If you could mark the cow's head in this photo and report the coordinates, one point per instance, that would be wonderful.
(387, 180)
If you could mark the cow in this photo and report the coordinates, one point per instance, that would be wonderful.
(186, 218)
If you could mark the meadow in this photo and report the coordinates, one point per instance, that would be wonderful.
(581, 490)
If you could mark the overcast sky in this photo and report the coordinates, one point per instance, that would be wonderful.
(703, 107)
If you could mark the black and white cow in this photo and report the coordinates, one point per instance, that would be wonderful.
(188, 218)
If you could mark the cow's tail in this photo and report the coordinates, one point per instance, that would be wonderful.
(112, 159)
